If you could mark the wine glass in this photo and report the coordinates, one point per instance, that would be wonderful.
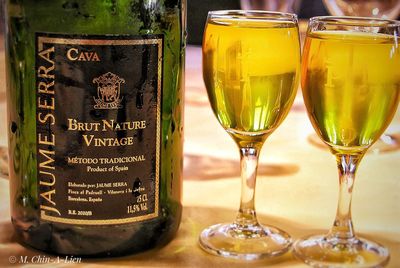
(251, 64)
(351, 88)
(387, 9)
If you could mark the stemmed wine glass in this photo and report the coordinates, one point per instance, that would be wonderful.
(351, 88)
(251, 63)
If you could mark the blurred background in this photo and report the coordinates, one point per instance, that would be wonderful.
(1, 22)
(197, 13)
(197, 10)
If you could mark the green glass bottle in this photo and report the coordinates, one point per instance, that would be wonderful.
(95, 123)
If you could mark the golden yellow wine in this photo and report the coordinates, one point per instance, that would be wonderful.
(251, 70)
(351, 86)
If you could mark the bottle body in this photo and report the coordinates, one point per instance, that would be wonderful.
(95, 116)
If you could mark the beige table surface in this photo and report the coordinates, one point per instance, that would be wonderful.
(297, 187)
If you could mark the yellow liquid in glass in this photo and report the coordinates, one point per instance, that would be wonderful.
(251, 70)
(351, 86)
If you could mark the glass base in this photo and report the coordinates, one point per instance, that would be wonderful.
(250, 242)
(323, 251)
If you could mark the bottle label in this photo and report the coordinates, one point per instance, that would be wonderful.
(98, 127)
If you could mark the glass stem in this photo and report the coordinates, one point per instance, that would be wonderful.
(248, 166)
(347, 166)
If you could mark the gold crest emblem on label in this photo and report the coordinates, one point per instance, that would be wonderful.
(108, 91)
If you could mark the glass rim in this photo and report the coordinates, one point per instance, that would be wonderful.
(253, 14)
(354, 21)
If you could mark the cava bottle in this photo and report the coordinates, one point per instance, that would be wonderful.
(95, 102)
